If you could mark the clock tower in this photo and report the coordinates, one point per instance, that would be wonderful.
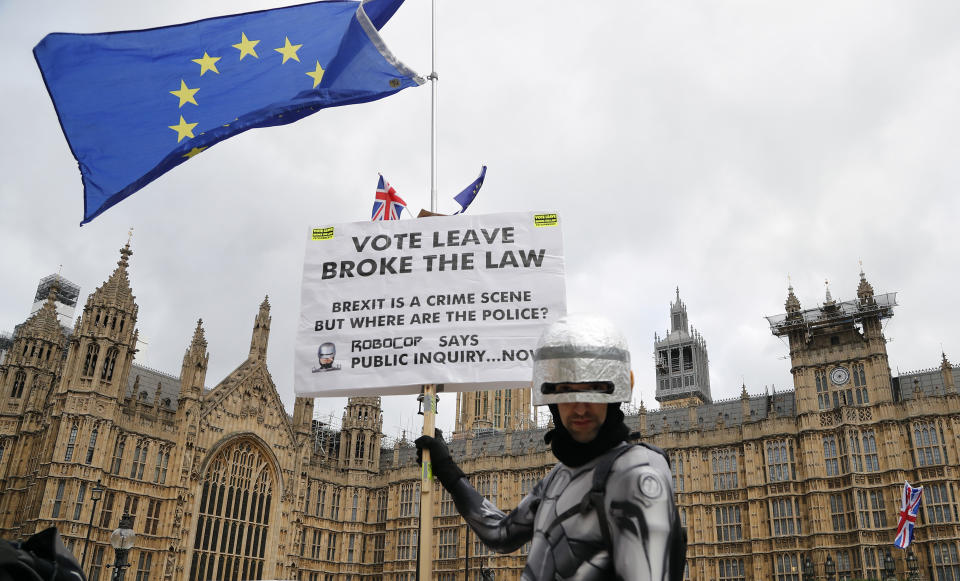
(837, 349)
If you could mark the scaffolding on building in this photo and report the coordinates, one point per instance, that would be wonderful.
(833, 313)
(326, 437)
(67, 292)
(65, 299)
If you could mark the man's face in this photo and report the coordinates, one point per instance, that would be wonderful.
(582, 420)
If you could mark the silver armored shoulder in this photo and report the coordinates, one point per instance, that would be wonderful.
(640, 474)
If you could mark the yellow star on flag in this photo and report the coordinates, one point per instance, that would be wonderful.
(289, 51)
(246, 46)
(207, 63)
(185, 94)
(183, 129)
(317, 75)
(193, 152)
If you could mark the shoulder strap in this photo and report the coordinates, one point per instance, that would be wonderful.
(597, 491)
(594, 498)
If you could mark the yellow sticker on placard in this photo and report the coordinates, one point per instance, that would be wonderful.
(322, 233)
(544, 220)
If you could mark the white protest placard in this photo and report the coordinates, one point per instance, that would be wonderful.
(455, 300)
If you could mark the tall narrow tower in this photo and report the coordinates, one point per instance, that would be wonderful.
(34, 360)
(683, 368)
(104, 339)
(360, 435)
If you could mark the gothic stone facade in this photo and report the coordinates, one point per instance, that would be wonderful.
(224, 484)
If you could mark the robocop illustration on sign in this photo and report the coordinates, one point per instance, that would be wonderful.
(326, 353)
(606, 510)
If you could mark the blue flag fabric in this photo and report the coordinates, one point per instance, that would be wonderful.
(465, 198)
(135, 104)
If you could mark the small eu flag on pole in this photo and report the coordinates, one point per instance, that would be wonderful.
(465, 198)
(135, 104)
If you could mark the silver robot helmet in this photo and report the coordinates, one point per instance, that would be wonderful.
(327, 351)
(581, 349)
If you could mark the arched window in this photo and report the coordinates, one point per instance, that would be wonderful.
(70, 444)
(108, 363)
(118, 455)
(18, 381)
(358, 451)
(90, 363)
(234, 514)
(724, 462)
(92, 446)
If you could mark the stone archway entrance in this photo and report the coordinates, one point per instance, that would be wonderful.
(234, 514)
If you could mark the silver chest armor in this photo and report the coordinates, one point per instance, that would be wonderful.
(639, 509)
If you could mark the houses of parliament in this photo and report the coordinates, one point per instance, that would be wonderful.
(223, 483)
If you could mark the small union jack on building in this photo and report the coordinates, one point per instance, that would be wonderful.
(387, 205)
(910, 506)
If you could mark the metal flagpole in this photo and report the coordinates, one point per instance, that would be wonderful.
(429, 396)
(433, 106)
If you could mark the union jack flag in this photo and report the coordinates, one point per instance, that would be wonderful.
(387, 205)
(908, 515)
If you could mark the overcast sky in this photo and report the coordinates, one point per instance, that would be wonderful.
(716, 146)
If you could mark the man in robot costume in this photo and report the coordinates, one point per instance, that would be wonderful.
(606, 510)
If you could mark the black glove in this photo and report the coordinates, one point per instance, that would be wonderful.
(444, 468)
(42, 556)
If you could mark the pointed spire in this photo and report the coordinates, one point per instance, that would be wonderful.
(199, 342)
(864, 289)
(125, 252)
(793, 304)
(116, 290)
(261, 331)
(946, 372)
(193, 373)
(743, 391)
(678, 315)
(829, 300)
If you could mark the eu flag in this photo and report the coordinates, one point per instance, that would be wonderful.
(465, 198)
(135, 104)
